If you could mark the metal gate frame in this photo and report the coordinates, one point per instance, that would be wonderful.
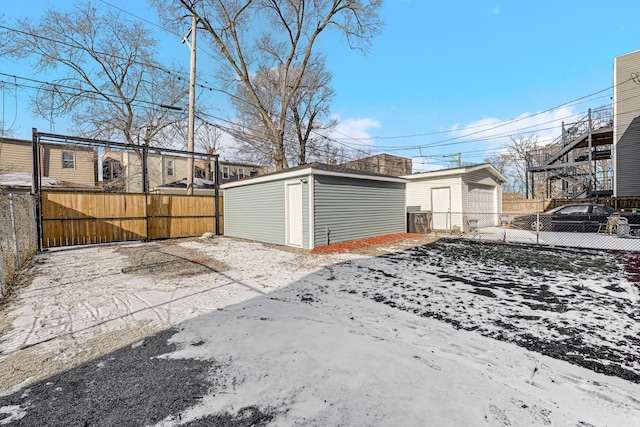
(36, 182)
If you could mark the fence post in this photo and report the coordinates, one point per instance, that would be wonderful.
(538, 227)
(216, 191)
(16, 243)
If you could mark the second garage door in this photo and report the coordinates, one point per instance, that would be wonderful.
(482, 204)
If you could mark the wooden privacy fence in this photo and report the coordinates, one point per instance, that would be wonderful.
(524, 205)
(78, 218)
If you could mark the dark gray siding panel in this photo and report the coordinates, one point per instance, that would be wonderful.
(628, 160)
(627, 125)
(355, 209)
(256, 212)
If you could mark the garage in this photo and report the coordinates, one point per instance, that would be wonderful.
(456, 196)
(314, 205)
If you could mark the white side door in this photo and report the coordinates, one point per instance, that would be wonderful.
(441, 208)
(294, 213)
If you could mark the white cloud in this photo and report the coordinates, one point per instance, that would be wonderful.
(354, 129)
(493, 133)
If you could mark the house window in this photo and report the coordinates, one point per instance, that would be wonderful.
(171, 169)
(200, 173)
(225, 172)
(253, 173)
(241, 174)
(68, 160)
(110, 170)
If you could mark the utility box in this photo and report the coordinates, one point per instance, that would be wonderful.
(419, 222)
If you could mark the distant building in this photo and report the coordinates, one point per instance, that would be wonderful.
(122, 170)
(626, 126)
(599, 154)
(384, 164)
(234, 171)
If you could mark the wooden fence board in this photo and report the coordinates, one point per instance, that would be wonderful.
(77, 218)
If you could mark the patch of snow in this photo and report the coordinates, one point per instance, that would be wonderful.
(311, 337)
(20, 179)
(13, 413)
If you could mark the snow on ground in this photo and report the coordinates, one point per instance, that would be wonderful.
(350, 340)
(21, 179)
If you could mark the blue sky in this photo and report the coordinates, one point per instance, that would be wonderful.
(438, 68)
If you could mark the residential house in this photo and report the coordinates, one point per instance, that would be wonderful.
(234, 171)
(75, 165)
(122, 170)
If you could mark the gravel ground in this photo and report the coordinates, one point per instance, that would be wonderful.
(87, 355)
(132, 386)
(573, 305)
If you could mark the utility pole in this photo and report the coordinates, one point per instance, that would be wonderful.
(458, 155)
(192, 102)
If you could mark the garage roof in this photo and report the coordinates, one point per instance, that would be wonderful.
(457, 171)
(315, 169)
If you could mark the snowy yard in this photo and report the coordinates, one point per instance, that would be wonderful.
(454, 333)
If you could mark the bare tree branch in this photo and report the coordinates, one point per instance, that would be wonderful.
(108, 80)
(255, 36)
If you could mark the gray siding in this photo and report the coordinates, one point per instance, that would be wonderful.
(627, 125)
(256, 212)
(628, 160)
(355, 209)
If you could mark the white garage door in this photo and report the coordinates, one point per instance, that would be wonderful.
(482, 205)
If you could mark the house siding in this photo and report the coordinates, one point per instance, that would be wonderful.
(419, 196)
(626, 105)
(83, 172)
(256, 212)
(419, 193)
(356, 208)
(16, 156)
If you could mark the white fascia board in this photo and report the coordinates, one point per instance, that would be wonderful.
(311, 171)
(358, 176)
(267, 178)
(433, 174)
(455, 172)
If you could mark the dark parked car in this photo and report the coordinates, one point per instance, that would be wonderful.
(575, 217)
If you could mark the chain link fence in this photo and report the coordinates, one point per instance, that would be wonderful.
(617, 231)
(18, 236)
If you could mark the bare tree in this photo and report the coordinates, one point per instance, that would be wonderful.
(208, 139)
(108, 81)
(287, 45)
(307, 120)
(512, 161)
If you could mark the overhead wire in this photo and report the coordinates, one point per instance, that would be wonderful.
(459, 139)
